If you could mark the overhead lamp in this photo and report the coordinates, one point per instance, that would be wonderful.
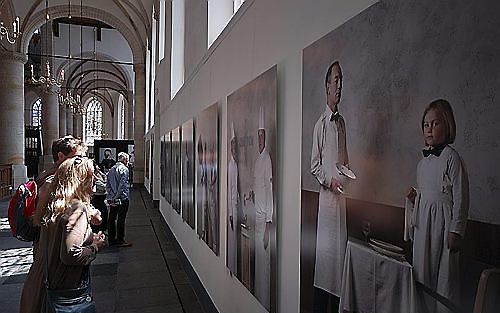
(4, 32)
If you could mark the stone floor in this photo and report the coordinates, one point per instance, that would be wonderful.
(151, 276)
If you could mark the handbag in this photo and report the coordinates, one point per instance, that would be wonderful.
(77, 300)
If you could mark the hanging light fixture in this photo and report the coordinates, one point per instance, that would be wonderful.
(46, 79)
(77, 105)
(4, 32)
(67, 99)
(94, 123)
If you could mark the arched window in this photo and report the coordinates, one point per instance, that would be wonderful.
(121, 117)
(36, 113)
(93, 122)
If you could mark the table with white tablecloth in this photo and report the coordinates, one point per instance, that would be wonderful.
(375, 283)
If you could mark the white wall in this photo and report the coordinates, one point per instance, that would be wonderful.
(267, 33)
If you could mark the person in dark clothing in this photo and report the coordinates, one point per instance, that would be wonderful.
(117, 198)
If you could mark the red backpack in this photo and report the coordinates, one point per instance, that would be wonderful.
(21, 208)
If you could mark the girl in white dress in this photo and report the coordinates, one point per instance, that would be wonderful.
(441, 204)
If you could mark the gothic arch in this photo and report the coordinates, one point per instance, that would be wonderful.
(38, 19)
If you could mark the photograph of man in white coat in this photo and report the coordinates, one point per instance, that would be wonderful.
(328, 149)
(263, 188)
(232, 206)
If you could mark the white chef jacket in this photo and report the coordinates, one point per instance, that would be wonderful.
(331, 236)
(263, 188)
(441, 206)
(232, 210)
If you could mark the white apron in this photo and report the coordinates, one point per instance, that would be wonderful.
(264, 214)
(441, 207)
(331, 238)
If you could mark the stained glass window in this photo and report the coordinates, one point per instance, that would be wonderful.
(93, 122)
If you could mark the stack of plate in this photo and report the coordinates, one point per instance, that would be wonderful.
(387, 248)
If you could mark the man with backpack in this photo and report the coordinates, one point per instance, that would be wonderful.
(62, 149)
(24, 207)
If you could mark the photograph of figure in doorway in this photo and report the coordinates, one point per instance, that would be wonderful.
(188, 169)
(207, 176)
(403, 78)
(251, 212)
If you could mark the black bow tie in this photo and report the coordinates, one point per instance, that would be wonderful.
(335, 117)
(435, 151)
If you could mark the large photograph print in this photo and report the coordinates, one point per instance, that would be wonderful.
(251, 214)
(187, 167)
(175, 178)
(207, 176)
(400, 112)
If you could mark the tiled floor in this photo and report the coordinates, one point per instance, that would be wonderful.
(151, 276)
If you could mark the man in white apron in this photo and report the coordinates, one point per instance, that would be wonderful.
(328, 149)
(263, 185)
(232, 205)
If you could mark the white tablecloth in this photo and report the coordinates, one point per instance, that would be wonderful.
(375, 283)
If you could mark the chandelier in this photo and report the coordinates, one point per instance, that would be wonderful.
(4, 32)
(73, 103)
(46, 80)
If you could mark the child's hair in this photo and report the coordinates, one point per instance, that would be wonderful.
(72, 181)
(444, 108)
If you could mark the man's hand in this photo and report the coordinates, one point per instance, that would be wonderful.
(336, 186)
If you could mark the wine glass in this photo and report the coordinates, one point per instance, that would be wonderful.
(366, 229)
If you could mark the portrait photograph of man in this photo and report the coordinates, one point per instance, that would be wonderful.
(107, 158)
(251, 212)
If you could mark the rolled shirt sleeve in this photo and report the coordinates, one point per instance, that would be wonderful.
(317, 169)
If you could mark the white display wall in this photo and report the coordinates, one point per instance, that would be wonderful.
(261, 34)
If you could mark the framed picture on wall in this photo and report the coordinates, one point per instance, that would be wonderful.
(176, 169)
(188, 172)
(207, 176)
(372, 90)
(251, 215)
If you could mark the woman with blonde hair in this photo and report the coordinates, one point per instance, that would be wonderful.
(67, 245)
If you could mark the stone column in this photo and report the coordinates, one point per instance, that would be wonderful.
(130, 116)
(78, 126)
(69, 122)
(50, 123)
(62, 121)
(12, 113)
(139, 121)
